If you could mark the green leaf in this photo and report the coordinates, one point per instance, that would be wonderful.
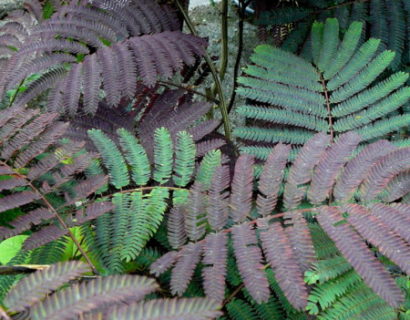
(71, 250)
(163, 155)
(184, 159)
(48, 10)
(10, 247)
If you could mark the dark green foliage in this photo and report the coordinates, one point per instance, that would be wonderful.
(338, 92)
(385, 19)
(139, 210)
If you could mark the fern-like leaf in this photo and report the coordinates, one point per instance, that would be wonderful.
(89, 296)
(357, 254)
(162, 155)
(184, 267)
(112, 157)
(241, 196)
(217, 209)
(249, 258)
(215, 259)
(136, 157)
(188, 309)
(184, 159)
(271, 178)
(276, 244)
(36, 286)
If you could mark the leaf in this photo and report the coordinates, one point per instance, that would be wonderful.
(359, 256)
(169, 309)
(37, 285)
(249, 259)
(10, 247)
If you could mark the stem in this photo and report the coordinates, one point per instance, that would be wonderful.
(241, 13)
(329, 111)
(13, 98)
(255, 221)
(187, 88)
(224, 36)
(150, 188)
(59, 218)
(218, 85)
(330, 119)
(233, 294)
(29, 268)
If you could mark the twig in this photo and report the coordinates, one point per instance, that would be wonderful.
(255, 221)
(241, 13)
(224, 37)
(22, 268)
(187, 88)
(329, 111)
(218, 85)
(233, 294)
(150, 188)
(13, 98)
(59, 218)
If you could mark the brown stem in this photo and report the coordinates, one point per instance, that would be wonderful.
(189, 89)
(329, 111)
(255, 221)
(59, 218)
(150, 188)
(233, 294)
(23, 268)
(104, 196)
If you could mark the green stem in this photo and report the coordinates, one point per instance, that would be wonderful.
(13, 98)
(218, 85)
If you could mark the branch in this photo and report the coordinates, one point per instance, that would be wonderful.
(59, 218)
(218, 85)
(241, 14)
(22, 268)
(224, 36)
(187, 88)
(233, 294)
(329, 111)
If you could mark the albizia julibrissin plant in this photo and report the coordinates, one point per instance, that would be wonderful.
(357, 198)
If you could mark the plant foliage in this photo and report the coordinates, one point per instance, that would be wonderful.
(82, 49)
(339, 91)
(37, 172)
(90, 297)
(108, 175)
(338, 199)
